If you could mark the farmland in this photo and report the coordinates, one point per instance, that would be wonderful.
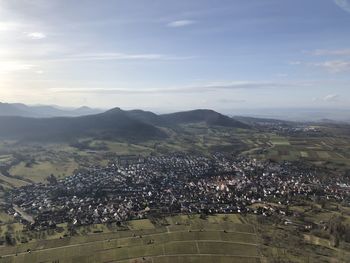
(34, 162)
(185, 238)
(325, 151)
(190, 239)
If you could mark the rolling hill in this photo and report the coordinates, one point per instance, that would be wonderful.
(210, 117)
(7, 109)
(43, 111)
(112, 124)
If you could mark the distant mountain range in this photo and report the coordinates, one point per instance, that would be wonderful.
(42, 111)
(112, 124)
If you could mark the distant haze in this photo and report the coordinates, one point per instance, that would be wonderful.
(297, 114)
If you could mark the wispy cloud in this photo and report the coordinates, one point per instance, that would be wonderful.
(331, 98)
(120, 56)
(211, 87)
(13, 66)
(334, 66)
(230, 101)
(294, 63)
(36, 35)
(123, 56)
(344, 4)
(331, 52)
(181, 23)
(242, 85)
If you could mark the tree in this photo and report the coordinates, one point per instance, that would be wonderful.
(52, 179)
(335, 241)
(9, 239)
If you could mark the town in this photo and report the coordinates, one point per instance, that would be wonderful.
(132, 187)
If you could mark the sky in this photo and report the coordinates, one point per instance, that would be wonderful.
(169, 55)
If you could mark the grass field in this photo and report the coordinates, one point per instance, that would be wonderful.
(141, 224)
(5, 218)
(13, 182)
(39, 171)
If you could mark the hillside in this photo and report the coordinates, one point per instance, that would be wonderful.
(7, 109)
(112, 124)
(210, 117)
(109, 125)
(147, 117)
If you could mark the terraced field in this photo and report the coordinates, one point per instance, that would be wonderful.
(216, 239)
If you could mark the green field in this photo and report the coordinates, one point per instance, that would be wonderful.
(41, 170)
(13, 182)
(331, 152)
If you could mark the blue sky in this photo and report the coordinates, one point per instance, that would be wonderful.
(171, 55)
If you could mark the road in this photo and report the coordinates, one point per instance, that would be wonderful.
(23, 214)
